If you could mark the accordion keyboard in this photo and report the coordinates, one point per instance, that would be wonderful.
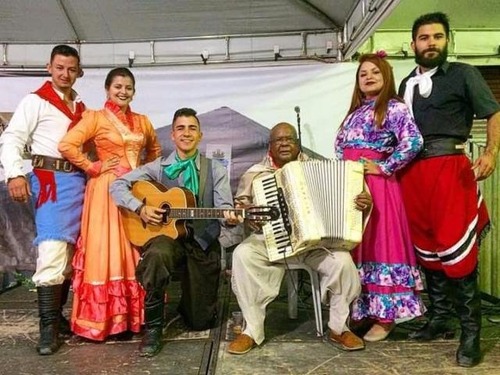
(276, 233)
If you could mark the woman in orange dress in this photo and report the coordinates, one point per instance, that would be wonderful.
(107, 298)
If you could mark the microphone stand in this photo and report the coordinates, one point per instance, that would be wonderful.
(298, 130)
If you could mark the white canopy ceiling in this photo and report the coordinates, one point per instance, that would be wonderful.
(239, 30)
(92, 21)
(179, 32)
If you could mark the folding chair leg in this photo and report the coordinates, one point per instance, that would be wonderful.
(293, 285)
(316, 293)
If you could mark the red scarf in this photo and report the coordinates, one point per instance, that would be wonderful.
(126, 118)
(46, 178)
(48, 93)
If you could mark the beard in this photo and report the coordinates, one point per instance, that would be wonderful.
(431, 62)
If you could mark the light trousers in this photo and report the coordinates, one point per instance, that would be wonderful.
(53, 264)
(256, 282)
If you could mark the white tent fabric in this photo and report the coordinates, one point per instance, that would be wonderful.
(156, 32)
(177, 32)
(266, 95)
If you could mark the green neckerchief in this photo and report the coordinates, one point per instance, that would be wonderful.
(188, 166)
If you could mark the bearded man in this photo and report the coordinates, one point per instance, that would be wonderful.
(446, 212)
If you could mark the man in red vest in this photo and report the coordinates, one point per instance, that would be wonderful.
(55, 186)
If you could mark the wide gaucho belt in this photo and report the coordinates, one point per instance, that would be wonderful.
(52, 164)
(441, 147)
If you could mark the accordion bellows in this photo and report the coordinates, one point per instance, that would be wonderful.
(319, 211)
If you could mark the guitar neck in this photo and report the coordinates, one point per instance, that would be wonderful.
(202, 213)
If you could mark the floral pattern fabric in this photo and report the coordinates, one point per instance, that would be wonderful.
(385, 259)
(398, 137)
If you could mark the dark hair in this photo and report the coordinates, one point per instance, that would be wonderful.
(65, 50)
(185, 112)
(429, 18)
(387, 92)
(118, 72)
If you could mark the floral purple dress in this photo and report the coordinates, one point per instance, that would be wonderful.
(385, 259)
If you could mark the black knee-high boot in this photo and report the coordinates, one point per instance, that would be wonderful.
(49, 304)
(468, 307)
(64, 325)
(154, 307)
(440, 309)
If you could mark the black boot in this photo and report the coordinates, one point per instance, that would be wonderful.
(440, 309)
(154, 315)
(49, 303)
(468, 306)
(64, 325)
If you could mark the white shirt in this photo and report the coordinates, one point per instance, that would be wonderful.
(36, 123)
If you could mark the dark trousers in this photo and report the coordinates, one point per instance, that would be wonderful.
(162, 256)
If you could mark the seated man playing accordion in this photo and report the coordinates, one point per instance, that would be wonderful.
(256, 280)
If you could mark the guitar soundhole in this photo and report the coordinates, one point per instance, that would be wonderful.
(166, 214)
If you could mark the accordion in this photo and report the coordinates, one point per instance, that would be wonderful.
(316, 203)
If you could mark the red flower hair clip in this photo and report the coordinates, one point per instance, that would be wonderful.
(381, 53)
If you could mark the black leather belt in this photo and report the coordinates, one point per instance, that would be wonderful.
(52, 164)
(441, 147)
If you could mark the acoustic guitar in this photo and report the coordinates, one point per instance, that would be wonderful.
(179, 205)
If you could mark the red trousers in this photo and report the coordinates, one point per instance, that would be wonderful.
(446, 213)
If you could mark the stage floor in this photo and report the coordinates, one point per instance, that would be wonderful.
(291, 346)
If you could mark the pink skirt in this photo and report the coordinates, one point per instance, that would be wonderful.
(385, 259)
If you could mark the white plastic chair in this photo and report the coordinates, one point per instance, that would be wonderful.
(292, 283)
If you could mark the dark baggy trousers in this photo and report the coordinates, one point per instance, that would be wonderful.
(162, 256)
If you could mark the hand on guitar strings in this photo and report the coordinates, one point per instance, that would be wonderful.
(363, 201)
(232, 218)
(152, 215)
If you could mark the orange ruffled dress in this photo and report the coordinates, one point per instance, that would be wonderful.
(107, 298)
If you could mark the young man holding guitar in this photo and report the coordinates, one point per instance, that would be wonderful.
(201, 179)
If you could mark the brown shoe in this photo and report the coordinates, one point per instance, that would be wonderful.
(346, 341)
(379, 331)
(241, 344)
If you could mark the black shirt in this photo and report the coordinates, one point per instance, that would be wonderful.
(459, 92)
